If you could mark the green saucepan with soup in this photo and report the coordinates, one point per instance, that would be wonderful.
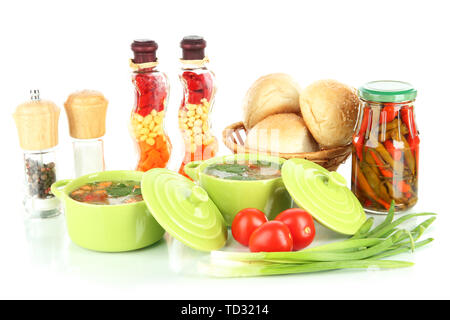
(105, 211)
(240, 181)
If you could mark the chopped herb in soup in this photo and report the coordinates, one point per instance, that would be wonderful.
(108, 192)
(259, 170)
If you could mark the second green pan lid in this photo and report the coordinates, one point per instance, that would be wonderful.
(324, 195)
(184, 210)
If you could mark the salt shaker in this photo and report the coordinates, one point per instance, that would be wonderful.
(86, 112)
(37, 126)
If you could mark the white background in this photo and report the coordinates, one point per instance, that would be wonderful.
(60, 47)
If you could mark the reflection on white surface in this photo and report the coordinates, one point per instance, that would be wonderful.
(46, 239)
(134, 267)
(49, 247)
(183, 259)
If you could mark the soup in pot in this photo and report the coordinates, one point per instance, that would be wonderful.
(258, 170)
(108, 192)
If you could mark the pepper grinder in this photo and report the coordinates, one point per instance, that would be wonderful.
(37, 126)
(86, 113)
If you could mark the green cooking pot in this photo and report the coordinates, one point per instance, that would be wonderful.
(107, 228)
(231, 196)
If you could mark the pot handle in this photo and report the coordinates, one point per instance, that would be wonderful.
(192, 170)
(57, 188)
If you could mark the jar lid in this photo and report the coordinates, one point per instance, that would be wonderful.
(184, 210)
(144, 50)
(193, 48)
(324, 195)
(387, 91)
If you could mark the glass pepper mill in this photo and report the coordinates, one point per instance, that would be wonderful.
(198, 97)
(86, 113)
(37, 126)
(147, 117)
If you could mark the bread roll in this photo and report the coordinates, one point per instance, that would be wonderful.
(270, 94)
(281, 133)
(330, 109)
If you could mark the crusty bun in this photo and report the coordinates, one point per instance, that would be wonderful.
(330, 109)
(270, 94)
(281, 133)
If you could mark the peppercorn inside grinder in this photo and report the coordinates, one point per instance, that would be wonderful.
(37, 126)
(86, 113)
(385, 160)
(147, 117)
(198, 98)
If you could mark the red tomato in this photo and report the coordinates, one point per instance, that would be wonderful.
(272, 236)
(301, 226)
(245, 222)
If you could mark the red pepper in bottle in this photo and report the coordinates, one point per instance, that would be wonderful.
(388, 113)
(396, 153)
(414, 145)
(152, 90)
(358, 139)
(381, 166)
(407, 115)
(194, 112)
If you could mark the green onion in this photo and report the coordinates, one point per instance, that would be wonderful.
(364, 229)
(345, 245)
(253, 270)
(306, 256)
(386, 222)
(396, 223)
(363, 250)
(402, 249)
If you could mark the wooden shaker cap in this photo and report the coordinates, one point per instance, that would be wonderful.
(86, 112)
(37, 124)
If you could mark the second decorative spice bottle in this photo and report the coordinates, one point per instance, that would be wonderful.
(198, 97)
(152, 92)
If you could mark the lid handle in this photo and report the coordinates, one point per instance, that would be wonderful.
(198, 195)
(336, 181)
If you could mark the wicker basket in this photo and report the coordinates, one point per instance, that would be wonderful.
(234, 138)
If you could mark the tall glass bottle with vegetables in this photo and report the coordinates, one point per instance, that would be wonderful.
(386, 147)
(198, 97)
(147, 117)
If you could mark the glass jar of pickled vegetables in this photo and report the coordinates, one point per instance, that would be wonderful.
(385, 158)
(198, 97)
(147, 118)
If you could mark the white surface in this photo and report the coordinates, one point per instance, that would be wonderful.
(59, 47)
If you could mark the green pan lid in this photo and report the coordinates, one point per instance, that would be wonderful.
(387, 91)
(324, 195)
(184, 210)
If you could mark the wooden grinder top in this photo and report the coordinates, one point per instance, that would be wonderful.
(86, 112)
(37, 123)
